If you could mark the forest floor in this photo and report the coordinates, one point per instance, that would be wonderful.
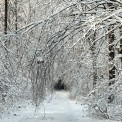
(59, 109)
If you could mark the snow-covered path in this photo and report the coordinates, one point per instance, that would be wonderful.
(59, 109)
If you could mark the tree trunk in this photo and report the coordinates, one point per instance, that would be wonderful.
(120, 48)
(94, 63)
(16, 16)
(111, 56)
(6, 16)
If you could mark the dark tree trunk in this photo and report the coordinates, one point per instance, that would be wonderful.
(111, 48)
(16, 15)
(120, 49)
(94, 61)
(6, 17)
(111, 56)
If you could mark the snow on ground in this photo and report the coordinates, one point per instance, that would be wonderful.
(59, 109)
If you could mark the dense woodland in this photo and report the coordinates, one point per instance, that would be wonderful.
(77, 42)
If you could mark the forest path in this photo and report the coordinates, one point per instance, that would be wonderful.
(59, 109)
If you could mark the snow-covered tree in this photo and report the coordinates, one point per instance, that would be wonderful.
(76, 41)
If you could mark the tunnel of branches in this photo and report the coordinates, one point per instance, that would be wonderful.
(60, 85)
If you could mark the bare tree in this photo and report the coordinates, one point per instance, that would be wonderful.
(16, 18)
(6, 17)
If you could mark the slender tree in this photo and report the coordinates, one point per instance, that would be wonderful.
(16, 15)
(6, 16)
(120, 49)
(111, 56)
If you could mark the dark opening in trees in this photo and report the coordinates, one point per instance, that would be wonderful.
(59, 85)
